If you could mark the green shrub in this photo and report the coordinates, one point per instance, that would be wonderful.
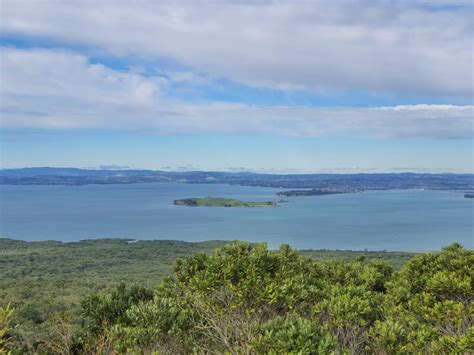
(244, 298)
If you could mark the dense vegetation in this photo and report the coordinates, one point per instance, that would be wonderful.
(242, 298)
(45, 280)
(222, 202)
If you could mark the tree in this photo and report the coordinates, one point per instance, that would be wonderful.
(429, 306)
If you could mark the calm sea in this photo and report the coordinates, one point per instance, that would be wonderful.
(378, 220)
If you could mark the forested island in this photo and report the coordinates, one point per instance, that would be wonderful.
(112, 296)
(222, 202)
(469, 195)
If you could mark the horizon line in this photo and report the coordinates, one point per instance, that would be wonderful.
(337, 171)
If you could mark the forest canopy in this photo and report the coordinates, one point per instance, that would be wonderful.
(245, 298)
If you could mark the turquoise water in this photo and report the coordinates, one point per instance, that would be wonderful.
(377, 220)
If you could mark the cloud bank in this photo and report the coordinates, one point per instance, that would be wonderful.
(410, 47)
(51, 89)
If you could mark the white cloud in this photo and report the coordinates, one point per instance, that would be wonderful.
(53, 89)
(71, 76)
(398, 46)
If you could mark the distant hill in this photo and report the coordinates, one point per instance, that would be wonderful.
(324, 182)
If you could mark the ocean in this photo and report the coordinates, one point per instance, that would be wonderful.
(405, 220)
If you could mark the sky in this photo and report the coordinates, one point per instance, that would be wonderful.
(266, 86)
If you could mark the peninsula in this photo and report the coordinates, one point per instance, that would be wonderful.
(221, 202)
(311, 192)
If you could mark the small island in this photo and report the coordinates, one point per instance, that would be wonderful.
(469, 195)
(222, 202)
(311, 192)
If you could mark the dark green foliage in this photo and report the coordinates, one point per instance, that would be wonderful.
(430, 305)
(247, 299)
(46, 281)
(242, 298)
(292, 334)
(101, 310)
(397, 259)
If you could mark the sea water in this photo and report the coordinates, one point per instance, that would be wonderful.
(407, 220)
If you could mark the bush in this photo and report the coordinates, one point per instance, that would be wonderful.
(6, 318)
(244, 298)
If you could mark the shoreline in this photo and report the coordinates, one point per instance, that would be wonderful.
(131, 241)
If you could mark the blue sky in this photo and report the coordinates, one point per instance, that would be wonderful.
(267, 86)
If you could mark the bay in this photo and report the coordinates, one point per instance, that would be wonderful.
(377, 220)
